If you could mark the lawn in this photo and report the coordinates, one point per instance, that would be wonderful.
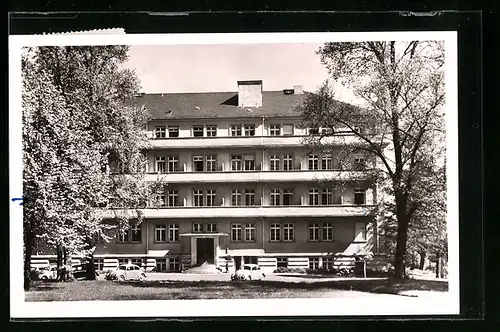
(183, 290)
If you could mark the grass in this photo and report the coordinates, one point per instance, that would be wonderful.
(184, 290)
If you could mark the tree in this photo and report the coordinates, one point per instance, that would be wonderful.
(400, 122)
(97, 148)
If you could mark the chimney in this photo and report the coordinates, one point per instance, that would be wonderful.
(298, 90)
(250, 93)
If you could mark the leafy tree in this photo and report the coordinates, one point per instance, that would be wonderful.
(97, 151)
(401, 122)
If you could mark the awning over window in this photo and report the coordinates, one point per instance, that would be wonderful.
(203, 234)
(157, 253)
(245, 252)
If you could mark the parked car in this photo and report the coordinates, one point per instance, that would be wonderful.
(80, 271)
(248, 272)
(47, 273)
(126, 272)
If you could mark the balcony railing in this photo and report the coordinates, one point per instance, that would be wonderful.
(243, 141)
(257, 176)
(246, 211)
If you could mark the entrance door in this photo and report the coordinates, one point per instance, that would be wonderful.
(237, 262)
(204, 250)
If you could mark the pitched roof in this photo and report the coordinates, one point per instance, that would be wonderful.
(218, 105)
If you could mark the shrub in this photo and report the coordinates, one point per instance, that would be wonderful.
(289, 270)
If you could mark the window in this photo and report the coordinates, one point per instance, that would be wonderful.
(288, 129)
(282, 262)
(198, 163)
(99, 264)
(313, 263)
(211, 131)
(235, 162)
(249, 197)
(136, 233)
(249, 130)
(328, 231)
(211, 163)
(287, 162)
(173, 131)
(211, 228)
(288, 232)
(327, 197)
(160, 132)
(173, 233)
(274, 130)
(211, 194)
(163, 199)
(236, 232)
(275, 197)
(359, 163)
(236, 197)
(326, 161)
(274, 162)
(161, 264)
(328, 263)
(287, 197)
(173, 197)
(313, 131)
(360, 231)
(123, 235)
(198, 197)
(249, 232)
(275, 232)
(197, 228)
(160, 233)
(313, 232)
(174, 264)
(198, 131)
(173, 164)
(313, 196)
(249, 162)
(359, 196)
(160, 164)
(235, 130)
(122, 261)
(137, 261)
(313, 161)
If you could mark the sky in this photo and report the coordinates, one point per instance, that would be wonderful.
(217, 68)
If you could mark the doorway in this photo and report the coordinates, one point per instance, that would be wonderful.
(237, 262)
(204, 250)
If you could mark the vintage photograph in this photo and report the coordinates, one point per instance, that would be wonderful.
(250, 169)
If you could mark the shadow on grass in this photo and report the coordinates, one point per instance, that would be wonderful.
(372, 286)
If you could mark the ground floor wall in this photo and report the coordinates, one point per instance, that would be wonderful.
(172, 244)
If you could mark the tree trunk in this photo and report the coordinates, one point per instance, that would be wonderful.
(401, 238)
(60, 256)
(90, 268)
(438, 264)
(422, 260)
(28, 242)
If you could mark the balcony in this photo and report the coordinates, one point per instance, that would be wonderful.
(252, 212)
(257, 176)
(242, 141)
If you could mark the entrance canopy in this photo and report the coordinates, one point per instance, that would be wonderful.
(203, 234)
(157, 253)
(246, 252)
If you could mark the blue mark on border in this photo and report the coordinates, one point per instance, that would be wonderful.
(18, 199)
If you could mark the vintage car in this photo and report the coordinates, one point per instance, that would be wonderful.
(248, 272)
(126, 272)
(47, 273)
(80, 271)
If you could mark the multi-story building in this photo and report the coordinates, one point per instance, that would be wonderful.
(241, 187)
